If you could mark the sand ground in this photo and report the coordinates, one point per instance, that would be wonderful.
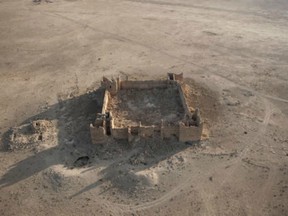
(52, 57)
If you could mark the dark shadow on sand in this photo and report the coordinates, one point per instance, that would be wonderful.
(73, 117)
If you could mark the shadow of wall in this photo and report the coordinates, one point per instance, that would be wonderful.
(73, 117)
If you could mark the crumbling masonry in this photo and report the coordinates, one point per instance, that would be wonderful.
(145, 109)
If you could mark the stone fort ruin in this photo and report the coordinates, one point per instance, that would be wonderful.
(145, 109)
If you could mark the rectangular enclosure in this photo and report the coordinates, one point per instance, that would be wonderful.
(148, 106)
(145, 109)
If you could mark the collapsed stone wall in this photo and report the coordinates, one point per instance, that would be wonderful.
(168, 131)
(98, 134)
(190, 133)
(112, 86)
(119, 133)
(176, 77)
(98, 129)
(146, 84)
(115, 85)
(183, 100)
(105, 102)
(146, 131)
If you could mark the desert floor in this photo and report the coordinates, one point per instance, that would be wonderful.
(234, 55)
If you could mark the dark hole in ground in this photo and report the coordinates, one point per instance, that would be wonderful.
(108, 129)
(81, 161)
(40, 137)
(170, 75)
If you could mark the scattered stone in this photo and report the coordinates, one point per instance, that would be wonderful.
(138, 159)
(229, 101)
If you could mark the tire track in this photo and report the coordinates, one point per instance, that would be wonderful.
(238, 160)
(117, 37)
(175, 191)
(207, 197)
(261, 14)
(166, 197)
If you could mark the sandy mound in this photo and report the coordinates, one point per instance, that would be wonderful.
(30, 135)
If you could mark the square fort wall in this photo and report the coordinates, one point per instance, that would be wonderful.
(183, 129)
(190, 133)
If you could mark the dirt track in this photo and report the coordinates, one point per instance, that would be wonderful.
(52, 58)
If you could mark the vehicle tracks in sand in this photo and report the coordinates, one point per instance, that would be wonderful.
(238, 161)
(204, 70)
(166, 197)
(203, 193)
(177, 189)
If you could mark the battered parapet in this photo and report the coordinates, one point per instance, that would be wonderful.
(187, 128)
